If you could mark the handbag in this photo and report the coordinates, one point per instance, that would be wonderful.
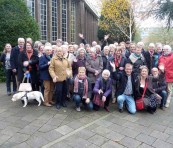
(97, 100)
(25, 86)
(140, 102)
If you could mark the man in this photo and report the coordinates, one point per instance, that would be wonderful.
(15, 53)
(125, 91)
(59, 42)
(159, 85)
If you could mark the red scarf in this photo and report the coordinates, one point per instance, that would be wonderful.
(76, 81)
(29, 54)
(117, 60)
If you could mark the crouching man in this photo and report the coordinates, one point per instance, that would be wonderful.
(125, 91)
(82, 90)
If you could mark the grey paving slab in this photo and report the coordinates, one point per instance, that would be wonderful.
(35, 141)
(61, 145)
(159, 135)
(112, 144)
(4, 138)
(75, 124)
(22, 145)
(158, 127)
(114, 136)
(130, 133)
(29, 129)
(143, 145)
(170, 139)
(116, 128)
(98, 140)
(169, 131)
(19, 138)
(85, 134)
(46, 128)
(161, 144)
(9, 130)
(101, 130)
(146, 139)
(64, 129)
(130, 142)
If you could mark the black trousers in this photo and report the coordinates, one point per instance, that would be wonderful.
(60, 92)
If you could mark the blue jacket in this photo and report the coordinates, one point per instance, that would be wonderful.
(43, 68)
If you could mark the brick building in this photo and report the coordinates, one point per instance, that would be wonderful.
(64, 19)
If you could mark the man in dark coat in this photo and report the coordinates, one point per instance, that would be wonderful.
(125, 91)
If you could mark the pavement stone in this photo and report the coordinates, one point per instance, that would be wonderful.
(111, 144)
(146, 139)
(98, 140)
(130, 142)
(36, 127)
(161, 144)
(159, 135)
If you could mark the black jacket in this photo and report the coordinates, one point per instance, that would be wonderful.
(14, 57)
(123, 78)
(34, 61)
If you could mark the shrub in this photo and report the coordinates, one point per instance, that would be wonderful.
(15, 22)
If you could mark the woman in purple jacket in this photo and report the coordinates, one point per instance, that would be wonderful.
(103, 91)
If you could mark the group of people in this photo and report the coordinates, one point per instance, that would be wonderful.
(93, 75)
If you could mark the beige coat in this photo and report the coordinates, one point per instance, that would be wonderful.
(58, 68)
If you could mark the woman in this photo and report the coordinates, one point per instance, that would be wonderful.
(82, 90)
(94, 66)
(44, 63)
(119, 61)
(103, 91)
(144, 87)
(5, 58)
(28, 63)
(59, 70)
(79, 61)
(137, 60)
(166, 61)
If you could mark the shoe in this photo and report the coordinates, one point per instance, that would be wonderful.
(64, 104)
(78, 109)
(167, 105)
(58, 106)
(8, 93)
(47, 104)
(121, 110)
(113, 100)
(106, 108)
(162, 108)
(52, 102)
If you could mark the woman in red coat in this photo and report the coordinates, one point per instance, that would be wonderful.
(166, 62)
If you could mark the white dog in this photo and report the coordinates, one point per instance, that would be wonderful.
(25, 96)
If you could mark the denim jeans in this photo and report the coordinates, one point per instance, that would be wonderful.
(164, 96)
(131, 107)
(61, 92)
(78, 99)
(9, 74)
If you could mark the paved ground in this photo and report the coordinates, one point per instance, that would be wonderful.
(46, 127)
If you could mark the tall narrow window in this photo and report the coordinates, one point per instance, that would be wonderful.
(64, 20)
(73, 21)
(54, 20)
(31, 7)
(43, 17)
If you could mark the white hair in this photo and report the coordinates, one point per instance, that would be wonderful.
(64, 46)
(21, 39)
(48, 44)
(151, 45)
(106, 47)
(81, 49)
(167, 47)
(47, 47)
(93, 49)
(141, 44)
(98, 47)
(106, 71)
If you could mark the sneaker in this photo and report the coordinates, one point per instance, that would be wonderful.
(58, 106)
(47, 104)
(78, 109)
(106, 108)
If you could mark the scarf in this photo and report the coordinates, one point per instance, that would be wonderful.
(151, 53)
(134, 57)
(76, 81)
(117, 60)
